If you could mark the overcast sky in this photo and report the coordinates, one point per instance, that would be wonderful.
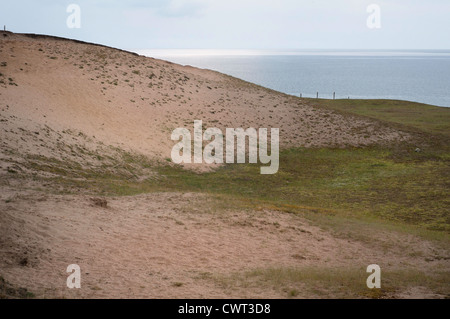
(238, 24)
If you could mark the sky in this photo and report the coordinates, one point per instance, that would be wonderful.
(239, 24)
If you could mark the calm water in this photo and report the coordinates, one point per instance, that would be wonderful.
(421, 76)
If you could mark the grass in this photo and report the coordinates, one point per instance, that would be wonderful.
(423, 117)
(333, 282)
(7, 291)
(357, 182)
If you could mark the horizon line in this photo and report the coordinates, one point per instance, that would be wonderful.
(292, 52)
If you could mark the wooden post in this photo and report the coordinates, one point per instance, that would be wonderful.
(334, 95)
(300, 95)
(317, 95)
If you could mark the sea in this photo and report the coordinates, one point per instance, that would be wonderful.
(415, 75)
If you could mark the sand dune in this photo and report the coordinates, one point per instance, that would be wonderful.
(70, 101)
(134, 102)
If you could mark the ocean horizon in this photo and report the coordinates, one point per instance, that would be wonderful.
(413, 75)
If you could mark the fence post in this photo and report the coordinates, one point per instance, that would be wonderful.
(334, 95)
(317, 96)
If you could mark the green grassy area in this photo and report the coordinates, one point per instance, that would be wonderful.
(423, 117)
(356, 182)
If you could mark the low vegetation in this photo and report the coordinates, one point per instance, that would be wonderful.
(331, 282)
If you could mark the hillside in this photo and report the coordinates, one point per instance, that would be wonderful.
(86, 178)
(53, 86)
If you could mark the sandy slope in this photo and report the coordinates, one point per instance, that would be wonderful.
(135, 102)
(173, 245)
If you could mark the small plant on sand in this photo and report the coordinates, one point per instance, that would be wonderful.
(293, 293)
